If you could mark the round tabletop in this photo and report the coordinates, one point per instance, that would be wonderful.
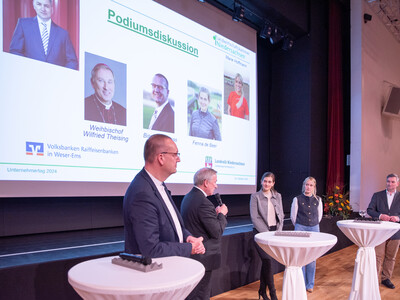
(368, 234)
(316, 239)
(295, 250)
(382, 225)
(101, 277)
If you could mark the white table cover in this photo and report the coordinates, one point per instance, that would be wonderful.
(366, 236)
(99, 279)
(295, 252)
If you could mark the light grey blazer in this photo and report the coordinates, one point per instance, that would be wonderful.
(259, 210)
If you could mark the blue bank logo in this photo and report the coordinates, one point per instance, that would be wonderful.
(33, 148)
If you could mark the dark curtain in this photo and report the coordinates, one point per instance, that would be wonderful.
(65, 14)
(335, 168)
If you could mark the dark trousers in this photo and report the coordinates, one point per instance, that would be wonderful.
(203, 289)
(266, 275)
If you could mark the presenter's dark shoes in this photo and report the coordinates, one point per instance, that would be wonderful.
(388, 283)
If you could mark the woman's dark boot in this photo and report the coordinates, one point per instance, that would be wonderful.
(272, 294)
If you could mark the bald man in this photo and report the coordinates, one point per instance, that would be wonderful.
(153, 225)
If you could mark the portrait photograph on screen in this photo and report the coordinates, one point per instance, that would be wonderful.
(44, 30)
(236, 89)
(105, 90)
(158, 106)
(204, 111)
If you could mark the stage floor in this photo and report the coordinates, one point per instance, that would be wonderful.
(39, 248)
(331, 283)
(39, 263)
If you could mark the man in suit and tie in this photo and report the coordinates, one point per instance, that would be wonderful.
(153, 225)
(163, 117)
(41, 39)
(203, 219)
(385, 205)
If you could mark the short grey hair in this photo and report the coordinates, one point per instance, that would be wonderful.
(393, 175)
(203, 174)
(96, 68)
(51, 2)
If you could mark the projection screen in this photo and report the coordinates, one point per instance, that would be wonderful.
(57, 140)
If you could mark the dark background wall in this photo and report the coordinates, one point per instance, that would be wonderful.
(292, 112)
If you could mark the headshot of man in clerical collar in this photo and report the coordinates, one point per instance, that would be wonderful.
(102, 81)
(101, 106)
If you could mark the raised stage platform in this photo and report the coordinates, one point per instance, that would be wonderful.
(36, 266)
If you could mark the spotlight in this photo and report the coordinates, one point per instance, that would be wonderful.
(238, 13)
(202, 1)
(288, 42)
(276, 36)
(266, 30)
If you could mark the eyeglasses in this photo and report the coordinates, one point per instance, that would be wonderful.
(174, 154)
(160, 87)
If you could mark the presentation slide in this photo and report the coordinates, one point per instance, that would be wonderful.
(82, 95)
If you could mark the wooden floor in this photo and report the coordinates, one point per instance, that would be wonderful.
(333, 280)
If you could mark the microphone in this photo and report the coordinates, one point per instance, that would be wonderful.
(218, 198)
(136, 258)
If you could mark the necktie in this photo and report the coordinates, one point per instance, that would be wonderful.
(45, 37)
(167, 192)
(174, 214)
(153, 119)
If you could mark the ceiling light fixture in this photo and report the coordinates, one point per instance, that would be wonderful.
(238, 12)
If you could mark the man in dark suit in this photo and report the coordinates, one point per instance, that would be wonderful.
(163, 117)
(153, 225)
(203, 219)
(100, 106)
(41, 39)
(385, 205)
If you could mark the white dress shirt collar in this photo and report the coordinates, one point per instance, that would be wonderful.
(171, 209)
(48, 25)
(205, 195)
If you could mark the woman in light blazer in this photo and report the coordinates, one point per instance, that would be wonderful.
(266, 211)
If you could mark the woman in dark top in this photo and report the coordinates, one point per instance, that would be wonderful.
(203, 124)
(306, 213)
